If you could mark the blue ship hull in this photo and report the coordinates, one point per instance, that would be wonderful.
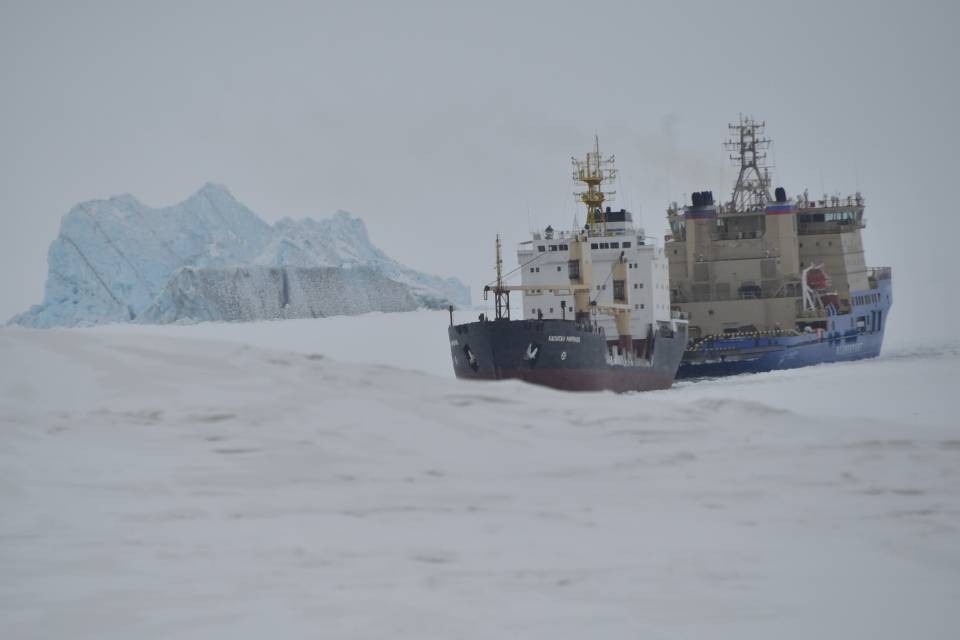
(851, 336)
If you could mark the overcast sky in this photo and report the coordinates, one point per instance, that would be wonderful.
(443, 123)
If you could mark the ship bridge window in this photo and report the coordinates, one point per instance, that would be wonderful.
(540, 247)
(604, 245)
(614, 245)
(626, 245)
(563, 247)
(559, 268)
(553, 247)
(594, 245)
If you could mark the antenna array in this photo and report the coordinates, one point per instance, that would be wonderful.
(594, 171)
(748, 146)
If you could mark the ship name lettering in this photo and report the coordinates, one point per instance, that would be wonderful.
(563, 338)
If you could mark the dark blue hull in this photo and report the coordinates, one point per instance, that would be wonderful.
(563, 355)
(852, 336)
(755, 355)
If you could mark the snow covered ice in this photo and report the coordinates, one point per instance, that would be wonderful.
(268, 478)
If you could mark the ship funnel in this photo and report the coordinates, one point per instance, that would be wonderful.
(702, 198)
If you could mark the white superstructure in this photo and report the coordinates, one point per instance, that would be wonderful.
(612, 238)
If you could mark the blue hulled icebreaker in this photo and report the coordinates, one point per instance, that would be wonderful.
(771, 282)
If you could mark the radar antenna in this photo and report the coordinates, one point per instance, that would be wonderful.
(594, 171)
(749, 146)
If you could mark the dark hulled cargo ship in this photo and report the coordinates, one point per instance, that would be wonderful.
(596, 309)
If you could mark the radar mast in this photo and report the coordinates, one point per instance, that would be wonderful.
(748, 146)
(593, 171)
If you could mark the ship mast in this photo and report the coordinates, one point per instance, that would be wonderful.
(593, 171)
(500, 293)
(748, 146)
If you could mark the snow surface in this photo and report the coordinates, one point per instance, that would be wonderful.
(113, 258)
(177, 482)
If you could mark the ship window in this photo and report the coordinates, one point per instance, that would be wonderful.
(642, 305)
(604, 287)
(540, 247)
(531, 269)
(618, 290)
(598, 287)
(641, 285)
(551, 309)
(710, 312)
(559, 267)
(614, 245)
(594, 245)
(675, 251)
(538, 269)
(636, 306)
(604, 245)
(553, 247)
(563, 247)
(801, 244)
(635, 285)
(626, 245)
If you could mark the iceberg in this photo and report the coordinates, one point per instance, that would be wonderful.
(234, 294)
(116, 259)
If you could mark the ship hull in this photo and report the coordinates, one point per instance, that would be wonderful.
(561, 355)
(762, 354)
(725, 356)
